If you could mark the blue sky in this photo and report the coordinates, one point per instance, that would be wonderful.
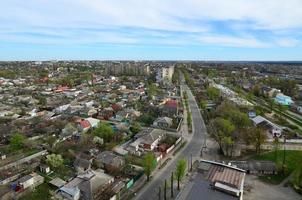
(151, 29)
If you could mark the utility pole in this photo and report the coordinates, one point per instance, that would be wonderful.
(188, 163)
(165, 191)
(172, 185)
(283, 162)
(191, 163)
(159, 193)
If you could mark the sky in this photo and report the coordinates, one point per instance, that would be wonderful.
(253, 30)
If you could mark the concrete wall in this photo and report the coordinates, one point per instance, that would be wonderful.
(23, 160)
(9, 179)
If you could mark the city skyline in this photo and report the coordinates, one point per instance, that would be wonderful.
(151, 30)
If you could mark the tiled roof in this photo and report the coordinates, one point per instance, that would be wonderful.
(85, 124)
(171, 103)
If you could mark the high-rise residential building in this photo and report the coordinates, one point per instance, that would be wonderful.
(129, 68)
(164, 75)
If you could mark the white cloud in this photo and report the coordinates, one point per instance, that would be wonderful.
(195, 19)
(230, 41)
(154, 14)
(65, 37)
(287, 42)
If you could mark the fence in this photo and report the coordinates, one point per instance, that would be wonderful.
(23, 160)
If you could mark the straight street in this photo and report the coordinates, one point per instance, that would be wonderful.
(193, 147)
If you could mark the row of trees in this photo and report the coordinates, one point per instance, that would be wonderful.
(287, 86)
(149, 164)
(187, 77)
(175, 77)
(189, 114)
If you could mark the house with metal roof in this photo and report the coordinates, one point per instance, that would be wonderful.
(214, 180)
(273, 128)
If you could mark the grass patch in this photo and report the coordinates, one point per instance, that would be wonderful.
(273, 179)
(134, 160)
(40, 193)
(292, 160)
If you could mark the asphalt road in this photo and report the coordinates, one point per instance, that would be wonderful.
(193, 147)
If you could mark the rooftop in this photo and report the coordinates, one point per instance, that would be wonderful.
(215, 180)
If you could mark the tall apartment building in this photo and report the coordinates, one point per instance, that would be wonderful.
(164, 75)
(131, 69)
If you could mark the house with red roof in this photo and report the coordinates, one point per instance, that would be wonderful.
(84, 125)
(61, 89)
(170, 108)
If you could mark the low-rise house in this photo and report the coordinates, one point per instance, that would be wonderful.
(163, 122)
(83, 125)
(82, 164)
(110, 161)
(148, 139)
(94, 123)
(273, 92)
(283, 99)
(70, 192)
(87, 186)
(296, 107)
(57, 182)
(265, 90)
(29, 181)
(273, 128)
(60, 89)
(68, 131)
(44, 169)
(170, 108)
(106, 113)
(62, 109)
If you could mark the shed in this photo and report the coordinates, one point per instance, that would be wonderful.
(256, 167)
(57, 182)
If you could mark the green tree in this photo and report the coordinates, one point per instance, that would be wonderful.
(17, 141)
(213, 93)
(42, 100)
(135, 128)
(228, 142)
(189, 119)
(256, 90)
(104, 131)
(203, 104)
(146, 119)
(54, 160)
(149, 164)
(221, 128)
(175, 77)
(185, 95)
(180, 171)
(50, 140)
(258, 137)
(152, 90)
(232, 113)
